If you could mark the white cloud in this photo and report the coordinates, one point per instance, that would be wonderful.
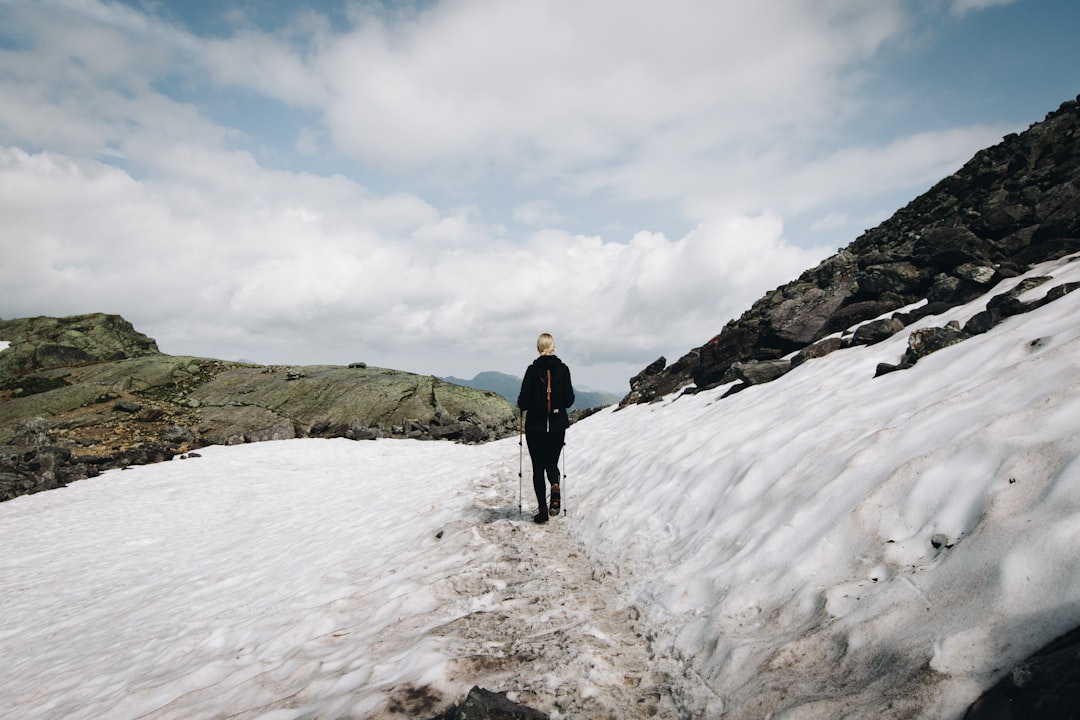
(265, 64)
(831, 221)
(910, 161)
(309, 141)
(155, 247)
(569, 85)
(538, 212)
(727, 110)
(305, 260)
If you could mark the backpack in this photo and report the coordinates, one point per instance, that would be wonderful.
(542, 394)
(545, 395)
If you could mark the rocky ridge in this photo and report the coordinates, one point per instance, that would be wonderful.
(83, 394)
(1012, 206)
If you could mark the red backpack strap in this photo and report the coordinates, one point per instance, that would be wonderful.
(549, 392)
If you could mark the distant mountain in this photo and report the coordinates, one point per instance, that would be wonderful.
(497, 382)
(509, 385)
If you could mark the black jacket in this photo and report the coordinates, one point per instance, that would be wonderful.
(533, 396)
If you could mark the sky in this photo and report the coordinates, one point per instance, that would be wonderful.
(428, 185)
(890, 549)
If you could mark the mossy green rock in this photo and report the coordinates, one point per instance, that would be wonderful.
(42, 343)
(78, 395)
(360, 402)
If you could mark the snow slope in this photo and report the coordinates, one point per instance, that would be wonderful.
(828, 545)
(837, 545)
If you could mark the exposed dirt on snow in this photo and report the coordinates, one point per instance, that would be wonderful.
(533, 618)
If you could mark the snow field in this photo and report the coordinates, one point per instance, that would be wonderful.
(227, 581)
(309, 578)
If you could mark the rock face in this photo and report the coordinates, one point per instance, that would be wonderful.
(484, 704)
(1011, 206)
(79, 395)
(1045, 686)
(43, 343)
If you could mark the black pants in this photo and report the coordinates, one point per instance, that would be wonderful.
(544, 451)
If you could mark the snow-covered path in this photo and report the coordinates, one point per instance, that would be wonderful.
(535, 618)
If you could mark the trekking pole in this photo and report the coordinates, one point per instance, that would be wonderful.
(562, 485)
(521, 452)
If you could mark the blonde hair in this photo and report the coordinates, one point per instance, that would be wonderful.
(545, 344)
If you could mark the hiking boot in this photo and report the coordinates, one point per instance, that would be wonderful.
(540, 518)
(556, 500)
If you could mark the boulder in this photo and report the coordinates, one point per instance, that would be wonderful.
(899, 278)
(856, 313)
(1009, 303)
(483, 704)
(978, 274)
(656, 381)
(819, 349)
(948, 246)
(803, 316)
(1045, 686)
(929, 340)
(653, 368)
(760, 372)
(982, 321)
(925, 310)
(886, 368)
(128, 406)
(875, 331)
(237, 424)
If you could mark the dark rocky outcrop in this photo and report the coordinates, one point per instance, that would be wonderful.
(929, 340)
(484, 704)
(109, 399)
(1011, 206)
(1045, 686)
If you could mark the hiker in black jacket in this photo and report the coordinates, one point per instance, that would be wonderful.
(546, 394)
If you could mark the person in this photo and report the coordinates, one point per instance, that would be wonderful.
(546, 393)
